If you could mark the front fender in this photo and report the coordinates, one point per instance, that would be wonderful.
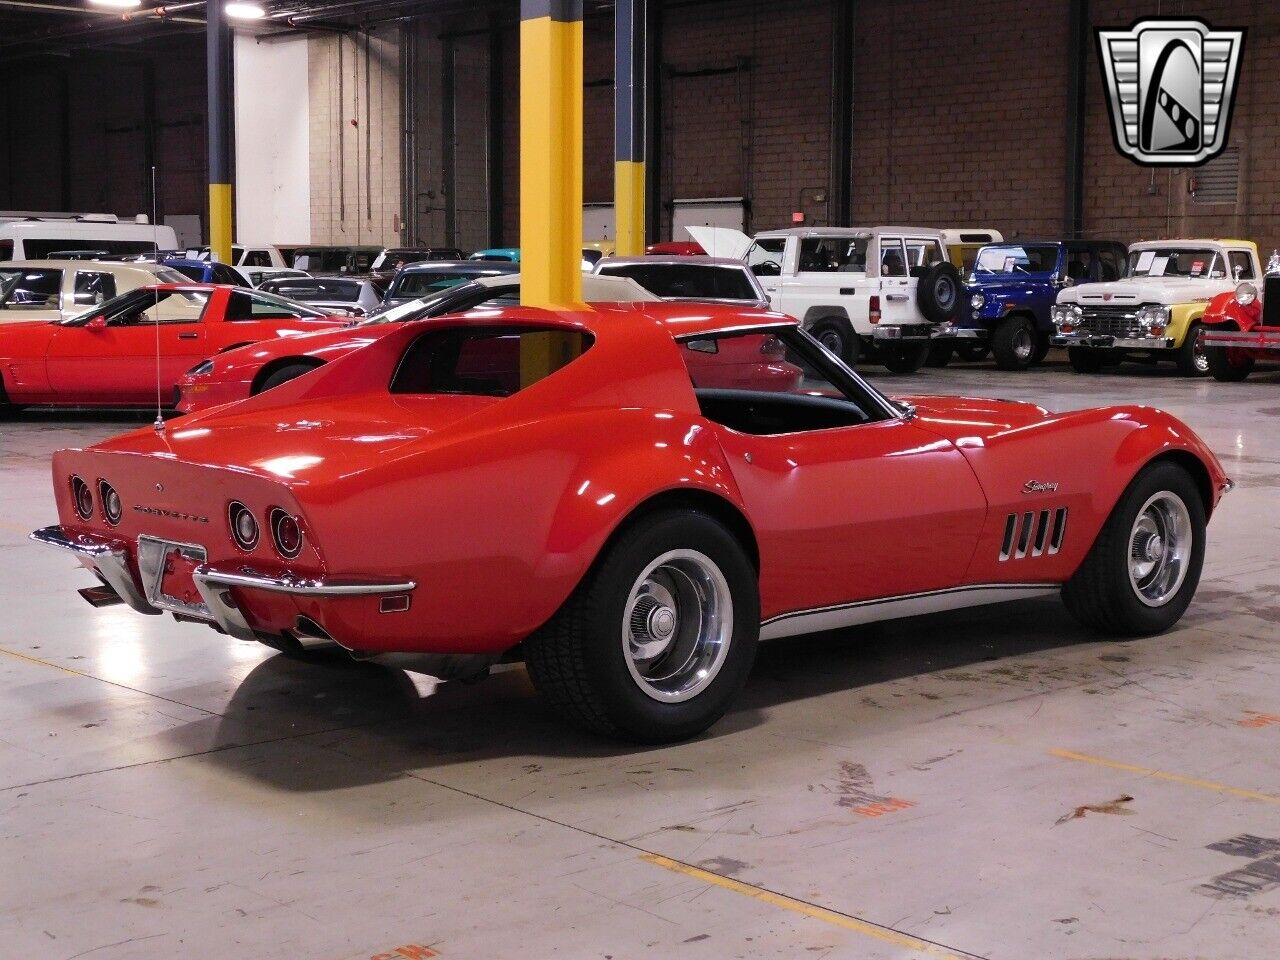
(1225, 309)
(1182, 316)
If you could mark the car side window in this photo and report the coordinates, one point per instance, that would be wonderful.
(24, 289)
(833, 255)
(765, 256)
(257, 258)
(146, 307)
(243, 306)
(1110, 265)
(1078, 265)
(893, 258)
(923, 252)
(1241, 265)
(93, 287)
(224, 274)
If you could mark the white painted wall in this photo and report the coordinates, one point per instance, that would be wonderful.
(272, 171)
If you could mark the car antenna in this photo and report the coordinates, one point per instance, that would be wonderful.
(155, 236)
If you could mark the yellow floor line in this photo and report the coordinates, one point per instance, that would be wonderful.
(44, 663)
(883, 934)
(1165, 775)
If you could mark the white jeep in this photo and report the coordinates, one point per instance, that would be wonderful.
(883, 293)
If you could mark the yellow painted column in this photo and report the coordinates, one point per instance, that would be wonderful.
(551, 153)
(220, 221)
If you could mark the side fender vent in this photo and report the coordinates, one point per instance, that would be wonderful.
(1034, 533)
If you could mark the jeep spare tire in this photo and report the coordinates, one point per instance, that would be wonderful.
(938, 292)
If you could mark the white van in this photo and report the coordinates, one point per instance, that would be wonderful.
(41, 236)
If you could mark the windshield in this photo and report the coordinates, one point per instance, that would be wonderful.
(1015, 258)
(423, 283)
(310, 289)
(1169, 262)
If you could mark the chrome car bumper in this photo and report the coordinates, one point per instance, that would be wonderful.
(109, 559)
(922, 332)
(1106, 341)
(1251, 340)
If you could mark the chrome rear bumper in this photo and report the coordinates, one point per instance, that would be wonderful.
(109, 559)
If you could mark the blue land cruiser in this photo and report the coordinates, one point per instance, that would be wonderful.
(1011, 292)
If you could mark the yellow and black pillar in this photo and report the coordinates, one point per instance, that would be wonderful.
(551, 153)
(629, 59)
(217, 50)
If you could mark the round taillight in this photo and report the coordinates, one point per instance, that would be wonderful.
(244, 525)
(111, 506)
(83, 498)
(287, 533)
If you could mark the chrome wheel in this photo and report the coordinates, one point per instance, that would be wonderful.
(1199, 356)
(1023, 344)
(677, 626)
(1160, 546)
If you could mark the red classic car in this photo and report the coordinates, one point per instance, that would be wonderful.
(246, 372)
(1243, 327)
(563, 488)
(107, 356)
(677, 248)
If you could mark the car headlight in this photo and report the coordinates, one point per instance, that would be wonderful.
(977, 300)
(1150, 315)
(201, 369)
(1065, 316)
(1246, 294)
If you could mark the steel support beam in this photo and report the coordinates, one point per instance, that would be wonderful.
(494, 151)
(653, 125)
(1077, 83)
(840, 189)
(551, 152)
(217, 48)
(630, 59)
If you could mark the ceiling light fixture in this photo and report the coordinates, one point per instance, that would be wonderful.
(117, 4)
(244, 11)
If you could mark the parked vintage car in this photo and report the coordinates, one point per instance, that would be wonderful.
(257, 274)
(883, 293)
(1242, 328)
(107, 356)
(353, 295)
(393, 258)
(1013, 287)
(706, 279)
(1155, 312)
(246, 372)
(420, 280)
(335, 261)
(578, 499)
(501, 254)
(60, 289)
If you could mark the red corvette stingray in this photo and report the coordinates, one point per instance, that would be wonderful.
(567, 489)
(107, 356)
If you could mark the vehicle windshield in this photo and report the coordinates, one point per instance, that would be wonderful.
(423, 283)
(1016, 258)
(311, 289)
(688, 281)
(1172, 262)
(431, 306)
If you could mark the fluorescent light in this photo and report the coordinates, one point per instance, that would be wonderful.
(118, 4)
(244, 11)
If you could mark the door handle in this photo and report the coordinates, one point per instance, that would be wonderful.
(188, 336)
(847, 291)
(897, 296)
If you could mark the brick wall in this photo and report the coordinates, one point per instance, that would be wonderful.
(355, 167)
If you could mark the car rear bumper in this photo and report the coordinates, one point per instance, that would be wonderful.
(109, 559)
(1100, 341)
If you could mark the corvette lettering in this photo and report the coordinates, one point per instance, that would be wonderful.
(172, 514)
(1039, 486)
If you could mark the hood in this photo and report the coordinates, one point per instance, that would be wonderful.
(721, 241)
(1145, 290)
(303, 442)
(997, 284)
(956, 418)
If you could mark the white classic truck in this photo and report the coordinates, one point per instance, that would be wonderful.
(1154, 312)
(884, 294)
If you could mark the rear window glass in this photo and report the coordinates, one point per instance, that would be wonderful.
(486, 361)
(26, 289)
(314, 288)
(692, 281)
(424, 283)
(38, 249)
(1017, 259)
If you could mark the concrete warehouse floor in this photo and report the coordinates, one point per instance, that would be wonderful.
(993, 783)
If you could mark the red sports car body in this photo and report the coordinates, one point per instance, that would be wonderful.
(568, 488)
(677, 248)
(107, 357)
